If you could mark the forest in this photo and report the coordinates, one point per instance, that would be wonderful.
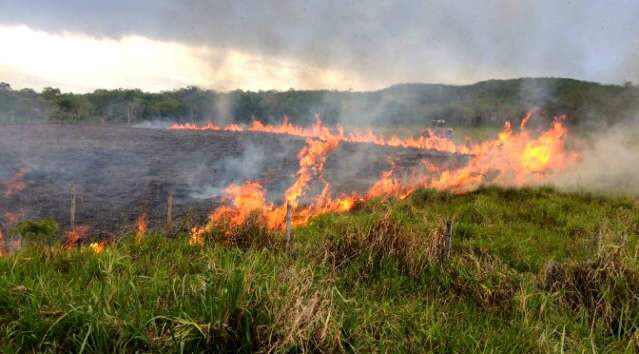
(486, 103)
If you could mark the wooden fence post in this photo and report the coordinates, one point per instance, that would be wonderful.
(449, 238)
(73, 207)
(168, 227)
(289, 221)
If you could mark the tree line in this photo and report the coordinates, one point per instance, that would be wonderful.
(484, 103)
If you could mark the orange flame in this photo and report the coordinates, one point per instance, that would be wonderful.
(197, 236)
(74, 235)
(319, 131)
(513, 158)
(3, 248)
(97, 247)
(140, 226)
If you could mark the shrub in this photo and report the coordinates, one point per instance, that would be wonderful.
(36, 231)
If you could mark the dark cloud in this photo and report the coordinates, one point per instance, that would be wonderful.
(451, 41)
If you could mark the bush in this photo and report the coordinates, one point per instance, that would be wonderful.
(43, 231)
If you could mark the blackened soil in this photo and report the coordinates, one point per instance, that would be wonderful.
(121, 172)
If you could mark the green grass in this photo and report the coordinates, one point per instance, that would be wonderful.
(531, 270)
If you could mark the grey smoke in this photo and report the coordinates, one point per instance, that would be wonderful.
(153, 124)
(234, 169)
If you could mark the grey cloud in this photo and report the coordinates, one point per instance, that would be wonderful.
(449, 41)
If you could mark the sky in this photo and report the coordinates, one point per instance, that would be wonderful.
(155, 45)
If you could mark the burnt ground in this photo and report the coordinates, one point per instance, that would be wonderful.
(120, 172)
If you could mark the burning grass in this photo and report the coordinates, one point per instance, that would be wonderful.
(531, 270)
(514, 158)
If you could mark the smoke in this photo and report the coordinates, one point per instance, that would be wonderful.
(154, 124)
(610, 162)
(223, 110)
(236, 169)
(252, 163)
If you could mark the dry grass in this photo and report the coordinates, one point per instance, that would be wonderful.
(304, 316)
(606, 288)
(387, 239)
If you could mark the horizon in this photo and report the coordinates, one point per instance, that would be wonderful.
(40, 90)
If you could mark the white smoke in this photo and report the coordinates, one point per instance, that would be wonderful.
(610, 163)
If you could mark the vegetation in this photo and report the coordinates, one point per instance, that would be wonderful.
(531, 270)
(482, 104)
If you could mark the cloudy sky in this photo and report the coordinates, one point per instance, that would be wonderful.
(81, 45)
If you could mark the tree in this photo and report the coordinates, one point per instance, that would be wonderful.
(50, 93)
(71, 107)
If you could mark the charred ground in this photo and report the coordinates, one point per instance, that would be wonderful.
(121, 172)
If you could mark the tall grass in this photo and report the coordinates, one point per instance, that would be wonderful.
(531, 270)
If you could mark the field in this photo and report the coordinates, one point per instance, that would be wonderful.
(530, 270)
(121, 172)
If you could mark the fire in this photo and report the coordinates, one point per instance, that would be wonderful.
(514, 158)
(388, 185)
(312, 158)
(97, 247)
(140, 226)
(249, 199)
(197, 237)
(74, 235)
(16, 184)
(244, 199)
(319, 131)
(3, 248)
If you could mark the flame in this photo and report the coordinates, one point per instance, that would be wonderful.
(513, 158)
(249, 198)
(16, 184)
(140, 226)
(3, 248)
(389, 185)
(97, 247)
(312, 158)
(245, 199)
(74, 235)
(319, 131)
(197, 236)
